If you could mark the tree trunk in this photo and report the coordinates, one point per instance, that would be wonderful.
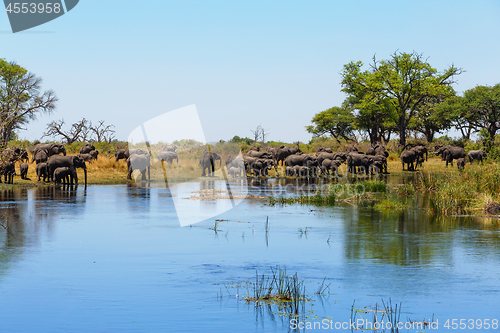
(402, 132)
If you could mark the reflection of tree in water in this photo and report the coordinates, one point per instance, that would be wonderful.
(28, 214)
(404, 237)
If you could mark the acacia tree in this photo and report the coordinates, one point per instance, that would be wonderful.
(430, 118)
(484, 103)
(336, 121)
(21, 99)
(405, 80)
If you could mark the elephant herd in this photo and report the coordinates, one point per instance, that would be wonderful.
(297, 163)
(450, 153)
(414, 157)
(50, 166)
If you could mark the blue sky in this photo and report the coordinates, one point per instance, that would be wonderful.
(242, 63)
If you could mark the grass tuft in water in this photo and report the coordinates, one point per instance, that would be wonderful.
(391, 203)
(280, 289)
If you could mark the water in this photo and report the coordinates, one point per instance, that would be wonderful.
(114, 259)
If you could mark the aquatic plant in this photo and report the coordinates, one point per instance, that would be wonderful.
(288, 292)
(374, 185)
(322, 288)
(302, 231)
(391, 203)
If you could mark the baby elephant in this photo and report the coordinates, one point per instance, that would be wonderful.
(63, 174)
(41, 171)
(24, 170)
(461, 164)
(234, 172)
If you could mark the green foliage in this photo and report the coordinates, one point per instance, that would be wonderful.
(390, 203)
(21, 99)
(374, 185)
(403, 82)
(338, 122)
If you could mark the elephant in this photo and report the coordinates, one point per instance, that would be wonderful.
(8, 169)
(50, 148)
(408, 157)
(383, 160)
(420, 150)
(420, 161)
(207, 161)
(260, 166)
(87, 157)
(479, 155)
(377, 150)
(40, 157)
(234, 161)
(331, 156)
(283, 152)
(290, 171)
(126, 153)
(301, 160)
(41, 171)
(94, 154)
(303, 171)
(168, 155)
(64, 175)
(235, 171)
(172, 148)
(358, 160)
(461, 164)
(376, 166)
(333, 165)
(141, 162)
(324, 150)
(450, 153)
(259, 154)
(72, 162)
(86, 149)
(23, 170)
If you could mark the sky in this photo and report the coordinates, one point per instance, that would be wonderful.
(241, 63)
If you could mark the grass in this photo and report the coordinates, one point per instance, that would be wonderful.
(390, 203)
(288, 292)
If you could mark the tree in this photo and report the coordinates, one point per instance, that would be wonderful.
(405, 80)
(430, 118)
(77, 132)
(21, 99)
(484, 103)
(377, 119)
(336, 121)
(257, 133)
(102, 132)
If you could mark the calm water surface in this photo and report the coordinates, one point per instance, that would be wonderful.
(115, 259)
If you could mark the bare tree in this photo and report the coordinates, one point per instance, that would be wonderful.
(257, 133)
(78, 132)
(264, 133)
(103, 132)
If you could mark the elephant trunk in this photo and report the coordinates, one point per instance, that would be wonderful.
(85, 172)
(177, 157)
